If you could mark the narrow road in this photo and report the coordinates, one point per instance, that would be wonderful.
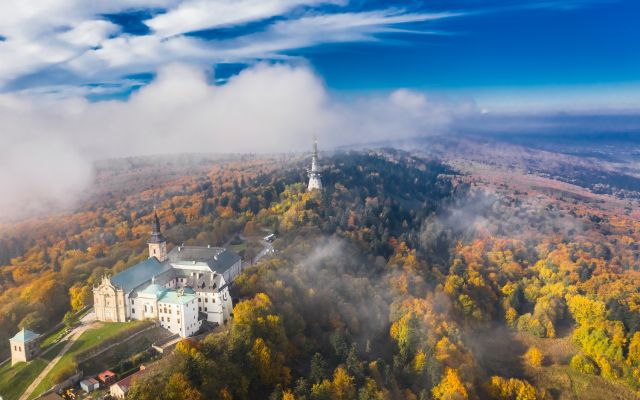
(268, 248)
(71, 339)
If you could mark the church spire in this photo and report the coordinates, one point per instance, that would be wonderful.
(314, 172)
(156, 223)
(157, 243)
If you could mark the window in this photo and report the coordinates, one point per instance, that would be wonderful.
(178, 312)
(162, 319)
(206, 300)
(205, 308)
(133, 311)
(131, 301)
(145, 308)
(179, 321)
(199, 300)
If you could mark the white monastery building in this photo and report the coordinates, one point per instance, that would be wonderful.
(179, 289)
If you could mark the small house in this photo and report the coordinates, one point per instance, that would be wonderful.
(120, 389)
(89, 385)
(25, 346)
(107, 377)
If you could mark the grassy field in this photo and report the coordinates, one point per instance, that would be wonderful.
(500, 351)
(238, 248)
(112, 357)
(54, 337)
(14, 380)
(88, 339)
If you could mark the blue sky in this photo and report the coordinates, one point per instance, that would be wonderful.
(498, 52)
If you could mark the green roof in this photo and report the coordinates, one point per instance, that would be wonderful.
(140, 273)
(174, 297)
(154, 289)
(25, 336)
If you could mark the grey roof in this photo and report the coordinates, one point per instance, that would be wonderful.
(140, 273)
(25, 336)
(201, 282)
(218, 259)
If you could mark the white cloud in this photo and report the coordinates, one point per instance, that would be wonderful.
(89, 33)
(128, 54)
(266, 108)
(74, 37)
(197, 15)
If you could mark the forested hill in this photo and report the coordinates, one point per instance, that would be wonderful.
(60, 258)
(402, 279)
(398, 283)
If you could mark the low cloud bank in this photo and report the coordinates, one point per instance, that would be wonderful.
(50, 144)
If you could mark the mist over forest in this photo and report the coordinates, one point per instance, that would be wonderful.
(406, 277)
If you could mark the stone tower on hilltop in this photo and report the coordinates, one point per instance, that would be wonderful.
(157, 243)
(314, 173)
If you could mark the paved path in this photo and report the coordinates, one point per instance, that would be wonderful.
(267, 249)
(71, 339)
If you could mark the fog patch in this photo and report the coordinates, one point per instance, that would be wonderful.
(51, 144)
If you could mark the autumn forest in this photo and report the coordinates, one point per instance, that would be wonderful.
(405, 278)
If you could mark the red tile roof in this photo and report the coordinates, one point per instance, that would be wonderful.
(106, 375)
(125, 383)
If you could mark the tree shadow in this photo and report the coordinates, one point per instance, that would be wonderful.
(498, 351)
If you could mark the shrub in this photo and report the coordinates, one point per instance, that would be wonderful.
(534, 357)
(584, 364)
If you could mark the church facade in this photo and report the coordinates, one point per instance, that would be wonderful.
(179, 289)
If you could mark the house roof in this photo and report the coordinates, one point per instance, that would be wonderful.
(140, 273)
(217, 259)
(89, 381)
(25, 336)
(125, 383)
(106, 374)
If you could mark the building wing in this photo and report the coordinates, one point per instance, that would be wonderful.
(140, 273)
(217, 259)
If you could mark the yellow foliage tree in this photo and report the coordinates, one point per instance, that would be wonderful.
(343, 386)
(508, 389)
(450, 387)
(79, 297)
(633, 356)
(179, 388)
(534, 357)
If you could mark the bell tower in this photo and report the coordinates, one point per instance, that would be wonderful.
(157, 243)
(314, 173)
